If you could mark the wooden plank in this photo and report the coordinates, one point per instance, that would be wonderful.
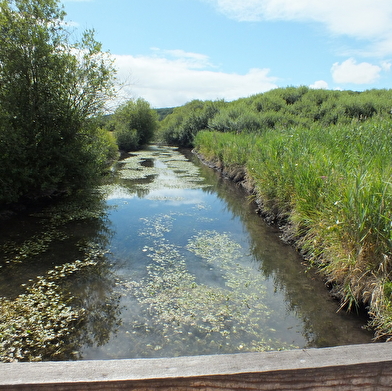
(356, 367)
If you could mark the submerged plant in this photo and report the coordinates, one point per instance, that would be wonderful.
(180, 310)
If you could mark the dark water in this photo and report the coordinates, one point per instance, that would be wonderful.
(191, 269)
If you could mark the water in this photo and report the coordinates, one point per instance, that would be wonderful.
(191, 269)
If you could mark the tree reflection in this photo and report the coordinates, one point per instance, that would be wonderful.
(93, 289)
(58, 281)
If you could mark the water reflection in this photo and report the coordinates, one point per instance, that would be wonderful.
(95, 292)
(181, 266)
(58, 252)
(200, 273)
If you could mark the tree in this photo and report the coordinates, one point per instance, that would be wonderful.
(134, 124)
(180, 127)
(50, 92)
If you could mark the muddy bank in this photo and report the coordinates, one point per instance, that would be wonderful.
(235, 173)
(238, 175)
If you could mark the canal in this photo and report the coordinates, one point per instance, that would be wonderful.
(186, 267)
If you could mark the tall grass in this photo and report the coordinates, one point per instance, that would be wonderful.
(333, 187)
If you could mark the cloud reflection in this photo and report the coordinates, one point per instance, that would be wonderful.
(119, 192)
(178, 196)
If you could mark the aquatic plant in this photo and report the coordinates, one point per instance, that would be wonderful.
(166, 170)
(41, 324)
(43, 321)
(180, 310)
(13, 252)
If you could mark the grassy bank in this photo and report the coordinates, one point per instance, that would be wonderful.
(332, 186)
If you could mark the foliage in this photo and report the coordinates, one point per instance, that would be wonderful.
(163, 113)
(134, 124)
(185, 122)
(105, 148)
(51, 89)
(275, 109)
(127, 139)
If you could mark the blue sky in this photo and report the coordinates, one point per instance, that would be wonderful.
(170, 52)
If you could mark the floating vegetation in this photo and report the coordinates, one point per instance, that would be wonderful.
(53, 219)
(36, 245)
(180, 314)
(166, 170)
(173, 312)
(156, 227)
(41, 323)
(177, 281)
(88, 204)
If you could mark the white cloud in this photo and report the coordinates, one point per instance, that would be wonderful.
(351, 72)
(172, 81)
(319, 85)
(363, 19)
(386, 66)
(192, 60)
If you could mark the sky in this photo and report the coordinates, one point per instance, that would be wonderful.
(170, 52)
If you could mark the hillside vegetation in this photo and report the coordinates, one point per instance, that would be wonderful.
(320, 162)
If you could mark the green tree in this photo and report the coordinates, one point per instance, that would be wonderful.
(50, 92)
(185, 122)
(134, 124)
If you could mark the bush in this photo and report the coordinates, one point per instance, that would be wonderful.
(134, 124)
(127, 139)
(185, 122)
(275, 109)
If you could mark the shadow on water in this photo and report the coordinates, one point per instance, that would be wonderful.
(182, 265)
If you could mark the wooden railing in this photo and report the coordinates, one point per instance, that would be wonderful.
(345, 368)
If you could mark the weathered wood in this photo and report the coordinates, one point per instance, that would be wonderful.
(365, 367)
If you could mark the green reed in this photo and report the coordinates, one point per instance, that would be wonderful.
(332, 186)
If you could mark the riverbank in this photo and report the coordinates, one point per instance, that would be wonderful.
(329, 192)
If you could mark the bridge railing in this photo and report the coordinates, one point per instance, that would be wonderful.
(346, 368)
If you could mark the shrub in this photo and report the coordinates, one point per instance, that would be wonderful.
(134, 124)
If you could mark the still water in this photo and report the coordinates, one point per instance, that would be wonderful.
(190, 269)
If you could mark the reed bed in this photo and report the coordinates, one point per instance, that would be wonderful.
(332, 187)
